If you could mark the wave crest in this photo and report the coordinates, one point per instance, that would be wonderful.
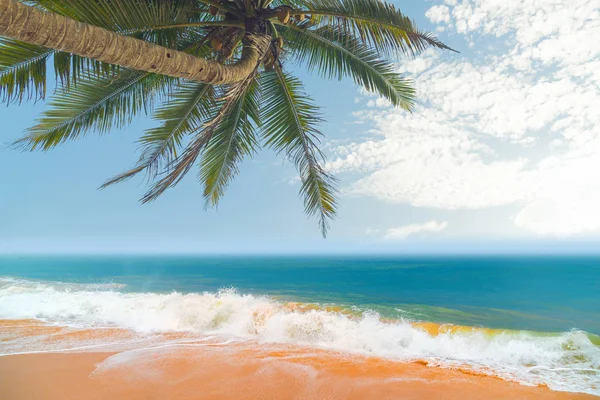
(563, 361)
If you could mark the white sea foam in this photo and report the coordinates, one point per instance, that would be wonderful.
(26, 284)
(568, 361)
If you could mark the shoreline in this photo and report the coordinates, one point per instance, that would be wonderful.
(237, 372)
(52, 362)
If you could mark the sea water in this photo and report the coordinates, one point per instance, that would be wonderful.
(530, 319)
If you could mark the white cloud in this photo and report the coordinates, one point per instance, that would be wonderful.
(404, 231)
(517, 126)
(422, 162)
(545, 30)
(439, 14)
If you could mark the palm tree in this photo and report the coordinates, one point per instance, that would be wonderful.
(216, 70)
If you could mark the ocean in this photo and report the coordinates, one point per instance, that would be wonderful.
(530, 319)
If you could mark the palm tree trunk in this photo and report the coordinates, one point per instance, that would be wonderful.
(31, 25)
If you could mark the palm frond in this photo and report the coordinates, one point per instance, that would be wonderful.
(234, 138)
(182, 164)
(335, 55)
(124, 15)
(185, 112)
(69, 68)
(290, 121)
(375, 22)
(94, 104)
(22, 70)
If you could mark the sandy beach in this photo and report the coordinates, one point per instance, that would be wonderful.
(245, 375)
(175, 368)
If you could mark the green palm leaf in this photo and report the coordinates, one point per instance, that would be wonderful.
(233, 139)
(94, 104)
(185, 112)
(100, 101)
(69, 68)
(290, 121)
(22, 70)
(188, 107)
(374, 22)
(220, 113)
(335, 55)
(124, 15)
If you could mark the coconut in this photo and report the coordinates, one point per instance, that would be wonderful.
(270, 66)
(227, 52)
(212, 10)
(283, 14)
(217, 44)
(300, 17)
(269, 61)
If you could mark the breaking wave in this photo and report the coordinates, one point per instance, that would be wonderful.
(568, 361)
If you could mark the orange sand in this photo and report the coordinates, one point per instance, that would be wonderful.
(233, 371)
(207, 373)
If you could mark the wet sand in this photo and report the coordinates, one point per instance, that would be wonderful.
(234, 372)
(111, 364)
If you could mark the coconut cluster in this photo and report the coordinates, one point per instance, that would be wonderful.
(225, 40)
(284, 14)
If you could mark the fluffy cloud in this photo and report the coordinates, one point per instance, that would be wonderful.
(544, 30)
(516, 126)
(402, 232)
(425, 163)
(439, 14)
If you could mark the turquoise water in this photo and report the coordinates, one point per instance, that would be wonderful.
(536, 293)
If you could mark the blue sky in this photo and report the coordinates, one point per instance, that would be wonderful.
(500, 155)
